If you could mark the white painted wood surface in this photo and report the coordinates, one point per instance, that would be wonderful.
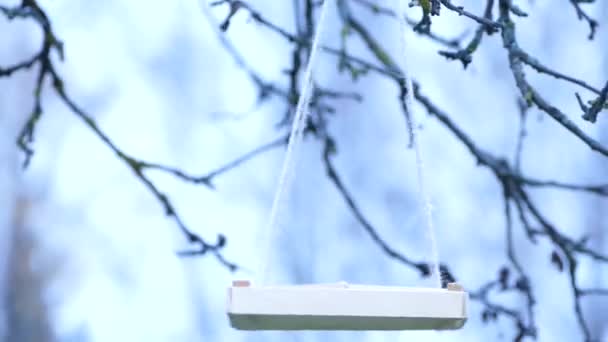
(343, 306)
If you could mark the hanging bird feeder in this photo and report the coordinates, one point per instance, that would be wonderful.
(343, 306)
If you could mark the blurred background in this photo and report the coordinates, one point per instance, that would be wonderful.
(87, 254)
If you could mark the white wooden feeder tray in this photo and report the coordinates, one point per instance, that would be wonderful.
(344, 306)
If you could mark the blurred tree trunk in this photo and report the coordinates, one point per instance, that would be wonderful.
(27, 313)
(23, 314)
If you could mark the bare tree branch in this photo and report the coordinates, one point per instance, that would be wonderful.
(380, 10)
(601, 103)
(465, 56)
(328, 151)
(516, 60)
(207, 179)
(29, 9)
(582, 15)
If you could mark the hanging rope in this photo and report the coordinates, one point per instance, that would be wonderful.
(295, 138)
(427, 206)
(296, 135)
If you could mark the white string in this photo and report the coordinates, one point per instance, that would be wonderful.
(295, 138)
(409, 100)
